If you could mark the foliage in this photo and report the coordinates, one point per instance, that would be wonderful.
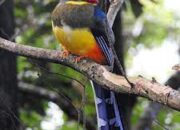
(152, 26)
(144, 21)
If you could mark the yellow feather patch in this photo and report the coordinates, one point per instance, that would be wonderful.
(77, 2)
(77, 41)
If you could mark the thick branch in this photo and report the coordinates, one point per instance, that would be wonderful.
(142, 87)
(154, 108)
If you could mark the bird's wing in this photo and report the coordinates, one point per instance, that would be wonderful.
(101, 23)
(102, 41)
(103, 34)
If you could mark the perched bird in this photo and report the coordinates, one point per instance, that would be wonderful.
(82, 29)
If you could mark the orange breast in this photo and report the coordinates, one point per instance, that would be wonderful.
(79, 41)
(96, 54)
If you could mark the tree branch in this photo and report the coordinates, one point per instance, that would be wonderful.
(98, 73)
(176, 67)
(154, 108)
(113, 10)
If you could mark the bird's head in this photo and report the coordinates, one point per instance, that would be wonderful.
(93, 1)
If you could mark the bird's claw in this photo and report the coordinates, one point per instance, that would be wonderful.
(77, 59)
(64, 54)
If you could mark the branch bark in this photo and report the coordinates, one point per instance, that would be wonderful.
(113, 10)
(176, 67)
(154, 108)
(98, 73)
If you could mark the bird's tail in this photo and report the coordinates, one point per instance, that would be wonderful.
(108, 113)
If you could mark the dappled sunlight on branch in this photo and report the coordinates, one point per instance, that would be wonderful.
(142, 87)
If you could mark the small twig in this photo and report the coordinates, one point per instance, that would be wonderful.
(157, 122)
(55, 73)
(55, 97)
(119, 65)
(83, 107)
(176, 67)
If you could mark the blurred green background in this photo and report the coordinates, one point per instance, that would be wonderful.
(151, 31)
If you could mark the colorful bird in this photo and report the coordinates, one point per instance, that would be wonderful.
(82, 29)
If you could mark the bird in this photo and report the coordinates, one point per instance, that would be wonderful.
(81, 27)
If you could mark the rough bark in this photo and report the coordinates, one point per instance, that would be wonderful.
(154, 108)
(98, 73)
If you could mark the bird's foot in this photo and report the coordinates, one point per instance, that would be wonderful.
(64, 54)
(77, 59)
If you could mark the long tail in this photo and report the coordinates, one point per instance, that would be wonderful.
(108, 115)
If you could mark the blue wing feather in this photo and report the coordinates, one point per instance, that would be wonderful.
(106, 104)
(101, 37)
(106, 50)
(98, 13)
